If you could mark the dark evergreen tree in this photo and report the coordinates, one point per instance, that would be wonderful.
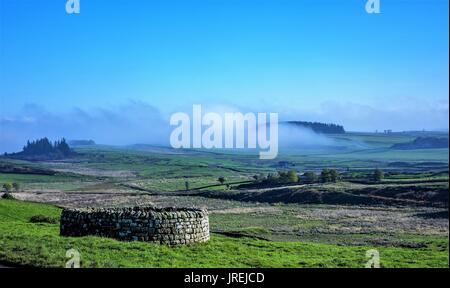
(45, 147)
(329, 175)
(329, 128)
(310, 177)
(378, 175)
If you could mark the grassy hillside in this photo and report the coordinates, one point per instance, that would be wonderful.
(165, 169)
(25, 243)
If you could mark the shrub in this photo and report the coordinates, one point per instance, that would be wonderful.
(286, 177)
(329, 175)
(8, 196)
(292, 176)
(43, 219)
(7, 187)
(378, 175)
(310, 177)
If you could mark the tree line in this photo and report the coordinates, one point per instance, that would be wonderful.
(326, 128)
(45, 147)
(325, 176)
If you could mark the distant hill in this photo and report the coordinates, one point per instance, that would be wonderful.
(422, 143)
(325, 128)
(43, 149)
(81, 142)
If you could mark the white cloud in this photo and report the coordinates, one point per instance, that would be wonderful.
(134, 122)
(140, 122)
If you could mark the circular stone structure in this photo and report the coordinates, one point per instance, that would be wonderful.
(172, 226)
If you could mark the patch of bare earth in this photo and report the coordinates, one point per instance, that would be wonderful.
(248, 210)
(367, 220)
(86, 199)
(95, 196)
(81, 170)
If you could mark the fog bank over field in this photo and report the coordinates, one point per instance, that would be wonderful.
(403, 114)
(141, 122)
(135, 122)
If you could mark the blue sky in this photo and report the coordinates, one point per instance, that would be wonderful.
(308, 60)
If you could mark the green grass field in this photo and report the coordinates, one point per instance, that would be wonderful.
(40, 245)
(318, 234)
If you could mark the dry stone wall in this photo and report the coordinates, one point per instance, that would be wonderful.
(171, 226)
